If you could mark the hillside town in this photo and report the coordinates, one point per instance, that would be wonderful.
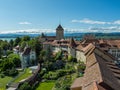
(88, 64)
(59, 44)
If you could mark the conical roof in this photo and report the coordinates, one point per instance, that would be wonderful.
(59, 27)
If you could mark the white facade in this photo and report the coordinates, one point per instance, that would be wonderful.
(32, 55)
(71, 51)
(55, 49)
(26, 60)
(80, 56)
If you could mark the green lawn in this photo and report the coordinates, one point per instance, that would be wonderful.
(46, 85)
(4, 81)
(24, 76)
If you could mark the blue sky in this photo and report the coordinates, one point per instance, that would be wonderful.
(74, 15)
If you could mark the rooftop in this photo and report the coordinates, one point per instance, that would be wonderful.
(98, 74)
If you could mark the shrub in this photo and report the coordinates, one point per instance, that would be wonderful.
(58, 64)
(55, 75)
(12, 72)
(63, 83)
(71, 59)
(9, 52)
(58, 56)
(25, 86)
(46, 76)
(2, 75)
(57, 85)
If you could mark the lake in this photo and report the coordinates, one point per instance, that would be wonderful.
(7, 39)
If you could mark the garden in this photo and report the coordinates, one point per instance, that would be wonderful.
(60, 71)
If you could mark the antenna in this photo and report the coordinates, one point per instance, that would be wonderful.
(59, 21)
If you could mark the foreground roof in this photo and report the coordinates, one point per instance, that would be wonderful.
(99, 73)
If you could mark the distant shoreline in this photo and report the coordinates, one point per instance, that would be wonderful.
(7, 39)
(76, 36)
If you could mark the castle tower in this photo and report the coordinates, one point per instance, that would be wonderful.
(59, 32)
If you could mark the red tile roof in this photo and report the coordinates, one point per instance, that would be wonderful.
(26, 51)
(98, 74)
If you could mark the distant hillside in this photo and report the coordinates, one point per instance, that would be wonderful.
(67, 35)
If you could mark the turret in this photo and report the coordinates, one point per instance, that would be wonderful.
(59, 32)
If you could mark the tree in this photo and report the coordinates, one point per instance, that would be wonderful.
(7, 65)
(17, 41)
(35, 45)
(71, 59)
(42, 56)
(38, 47)
(58, 56)
(11, 42)
(4, 45)
(31, 43)
(23, 44)
(25, 86)
(48, 54)
(0, 52)
(26, 38)
(15, 59)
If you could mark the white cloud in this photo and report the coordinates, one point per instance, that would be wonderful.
(89, 21)
(116, 22)
(24, 23)
(30, 31)
(90, 29)
(94, 29)
(106, 29)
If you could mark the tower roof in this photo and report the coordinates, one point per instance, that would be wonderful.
(42, 35)
(72, 43)
(59, 27)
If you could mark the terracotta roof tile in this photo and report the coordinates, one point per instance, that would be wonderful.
(79, 47)
(72, 43)
(98, 71)
(26, 51)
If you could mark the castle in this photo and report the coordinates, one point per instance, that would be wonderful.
(59, 35)
(102, 59)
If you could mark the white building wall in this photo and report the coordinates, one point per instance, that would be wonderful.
(80, 56)
(23, 60)
(26, 59)
(32, 55)
(71, 51)
(56, 49)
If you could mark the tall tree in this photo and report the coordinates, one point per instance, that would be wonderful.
(15, 59)
(1, 51)
(26, 38)
(17, 41)
(11, 42)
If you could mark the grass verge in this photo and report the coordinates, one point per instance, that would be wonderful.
(48, 85)
(4, 81)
